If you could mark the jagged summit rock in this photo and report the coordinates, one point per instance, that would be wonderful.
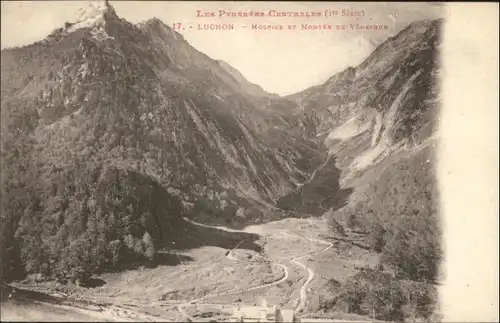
(94, 14)
(94, 9)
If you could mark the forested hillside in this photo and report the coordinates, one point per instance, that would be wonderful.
(399, 214)
(112, 132)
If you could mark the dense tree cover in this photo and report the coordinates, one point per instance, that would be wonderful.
(65, 211)
(83, 220)
(71, 221)
(400, 218)
(379, 295)
(401, 213)
(16, 176)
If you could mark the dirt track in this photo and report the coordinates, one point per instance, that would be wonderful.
(180, 307)
(289, 245)
(287, 250)
(303, 291)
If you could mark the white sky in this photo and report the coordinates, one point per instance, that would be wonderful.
(283, 62)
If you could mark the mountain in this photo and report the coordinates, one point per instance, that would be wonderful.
(367, 113)
(112, 132)
(378, 188)
(193, 123)
(247, 87)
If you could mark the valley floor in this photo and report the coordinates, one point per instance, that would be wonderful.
(298, 258)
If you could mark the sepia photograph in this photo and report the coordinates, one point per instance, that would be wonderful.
(245, 161)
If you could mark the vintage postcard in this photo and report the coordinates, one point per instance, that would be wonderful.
(249, 161)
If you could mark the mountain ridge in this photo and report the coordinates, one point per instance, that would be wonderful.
(367, 113)
(104, 114)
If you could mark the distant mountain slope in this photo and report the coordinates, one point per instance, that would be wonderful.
(388, 102)
(249, 88)
(390, 99)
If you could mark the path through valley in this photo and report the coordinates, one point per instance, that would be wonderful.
(295, 260)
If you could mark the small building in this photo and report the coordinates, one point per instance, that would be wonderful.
(262, 314)
(255, 314)
(286, 315)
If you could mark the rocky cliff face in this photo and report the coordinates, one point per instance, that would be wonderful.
(366, 113)
(390, 99)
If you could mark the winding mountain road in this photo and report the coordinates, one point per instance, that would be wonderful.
(180, 307)
(303, 290)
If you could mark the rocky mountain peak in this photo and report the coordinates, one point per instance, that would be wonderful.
(94, 9)
(94, 14)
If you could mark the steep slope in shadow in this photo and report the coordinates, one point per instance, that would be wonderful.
(319, 194)
(160, 213)
(108, 218)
